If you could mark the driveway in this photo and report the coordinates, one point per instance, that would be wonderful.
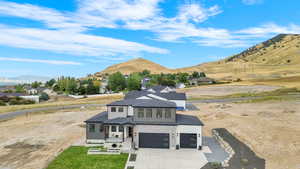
(169, 159)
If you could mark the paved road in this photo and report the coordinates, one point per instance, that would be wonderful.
(226, 100)
(8, 115)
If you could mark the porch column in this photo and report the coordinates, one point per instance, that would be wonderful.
(125, 132)
(109, 131)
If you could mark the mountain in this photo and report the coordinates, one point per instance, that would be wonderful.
(22, 79)
(135, 65)
(274, 58)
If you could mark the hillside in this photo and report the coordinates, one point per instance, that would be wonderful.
(134, 65)
(275, 58)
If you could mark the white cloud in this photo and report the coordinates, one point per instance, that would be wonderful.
(252, 2)
(54, 62)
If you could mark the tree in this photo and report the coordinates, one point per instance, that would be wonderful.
(50, 83)
(19, 88)
(202, 74)
(183, 77)
(44, 96)
(195, 74)
(36, 84)
(134, 82)
(145, 73)
(116, 82)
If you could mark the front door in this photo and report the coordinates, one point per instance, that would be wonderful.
(130, 131)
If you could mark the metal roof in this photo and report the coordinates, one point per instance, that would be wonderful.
(169, 96)
(144, 103)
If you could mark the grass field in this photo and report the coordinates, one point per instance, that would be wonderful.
(76, 157)
(93, 100)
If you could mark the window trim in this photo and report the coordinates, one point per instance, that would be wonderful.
(168, 111)
(149, 113)
(140, 114)
(120, 108)
(159, 114)
(121, 127)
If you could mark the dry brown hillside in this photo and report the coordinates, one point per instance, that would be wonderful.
(135, 65)
(275, 58)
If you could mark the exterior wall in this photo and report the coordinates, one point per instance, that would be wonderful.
(94, 135)
(112, 115)
(180, 103)
(190, 129)
(154, 119)
(36, 99)
(155, 129)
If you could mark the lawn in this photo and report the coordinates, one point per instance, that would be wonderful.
(76, 157)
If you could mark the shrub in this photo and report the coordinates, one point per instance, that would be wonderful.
(2, 103)
(44, 97)
(216, 165)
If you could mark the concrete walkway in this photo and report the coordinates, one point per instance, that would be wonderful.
(169, 159)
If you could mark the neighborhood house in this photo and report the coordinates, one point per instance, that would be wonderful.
(144, 123)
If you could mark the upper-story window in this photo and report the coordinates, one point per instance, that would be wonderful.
(140, 113)
(149, 113)
(113, 109)
(92, 128)
(167, 113)
(159, 113)
(120, 109)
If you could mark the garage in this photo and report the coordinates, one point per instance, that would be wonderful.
(188, 140)
(154, 140)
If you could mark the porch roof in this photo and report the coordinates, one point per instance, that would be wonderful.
(103, 118)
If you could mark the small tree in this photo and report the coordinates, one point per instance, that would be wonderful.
(134, 82)
(36, 84)
(116, 82)
(50, 83)
(19, 88)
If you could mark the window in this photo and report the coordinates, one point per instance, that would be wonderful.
(113, 128)
(140, 113)
(120, 109)
(149, 113)
(167, 113)
(121, 128)
(159, 113)
(92, 128)
(113, 109)
(101, 128)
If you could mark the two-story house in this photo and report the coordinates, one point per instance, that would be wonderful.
(147, 123)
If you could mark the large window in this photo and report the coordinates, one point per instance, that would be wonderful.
(92, 128)
(140, 113)
(121, 128)
(167, 113)
(113, 128)
(113, 109)
(159, 113)
(149, 113)
(120, 109)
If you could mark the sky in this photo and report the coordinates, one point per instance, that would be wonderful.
(80, 37)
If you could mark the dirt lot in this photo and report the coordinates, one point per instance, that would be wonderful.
(271, 129)
(221, 90)
(30, 142)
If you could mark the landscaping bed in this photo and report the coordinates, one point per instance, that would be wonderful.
(243, 156)
(77, 157)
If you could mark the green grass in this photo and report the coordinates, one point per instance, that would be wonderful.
(76, 157)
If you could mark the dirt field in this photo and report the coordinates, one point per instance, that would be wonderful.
(271, 129)
(222, 90)
(31, 142)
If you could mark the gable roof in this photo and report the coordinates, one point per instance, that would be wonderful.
(169, 96)
(143, 103)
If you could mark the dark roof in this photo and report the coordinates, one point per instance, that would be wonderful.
(170, 96)
(180, 120)
(143, 103)
(11, 94)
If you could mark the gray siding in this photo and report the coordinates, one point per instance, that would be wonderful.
(154, 117)
(112, 115)
(94, 135)
(171, 130)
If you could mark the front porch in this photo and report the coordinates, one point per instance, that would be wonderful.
(117, 133)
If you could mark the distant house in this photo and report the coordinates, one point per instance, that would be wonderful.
(180, 85)
(36, 99)
(163, 93)
(201, 81)
(144, 82)
(103, 86)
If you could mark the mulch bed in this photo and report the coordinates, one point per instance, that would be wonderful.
(244, 157)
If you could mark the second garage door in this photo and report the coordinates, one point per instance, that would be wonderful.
(188, 140)
(154, 140)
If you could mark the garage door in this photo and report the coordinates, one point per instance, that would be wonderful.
(153, 140)
(188, 140)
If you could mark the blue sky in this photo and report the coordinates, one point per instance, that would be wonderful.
(78, 37)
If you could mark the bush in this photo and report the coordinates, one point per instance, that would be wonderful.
(216, 165)
(2, 103)
(44, 97)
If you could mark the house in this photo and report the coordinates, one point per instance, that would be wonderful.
(180, 86)
(144, 123)
(144, 83)
(36, 99)
(201, 81)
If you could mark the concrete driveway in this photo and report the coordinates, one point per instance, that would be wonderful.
(169, 159)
